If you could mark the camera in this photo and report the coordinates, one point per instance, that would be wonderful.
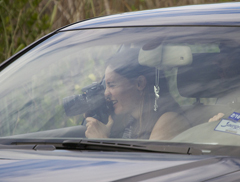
(92, 102)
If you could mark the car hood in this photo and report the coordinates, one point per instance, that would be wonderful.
(64, 165)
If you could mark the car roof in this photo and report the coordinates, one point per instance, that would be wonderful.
(208, 14)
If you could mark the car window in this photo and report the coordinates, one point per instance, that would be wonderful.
(157, 83)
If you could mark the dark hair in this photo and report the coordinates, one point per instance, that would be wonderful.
(126, 64)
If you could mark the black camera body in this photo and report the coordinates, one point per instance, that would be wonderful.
(92, 102)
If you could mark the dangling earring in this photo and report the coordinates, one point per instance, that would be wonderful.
(142, 93)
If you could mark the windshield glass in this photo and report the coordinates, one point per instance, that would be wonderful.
(177, 84)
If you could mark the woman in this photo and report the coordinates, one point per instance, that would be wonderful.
(129, 86)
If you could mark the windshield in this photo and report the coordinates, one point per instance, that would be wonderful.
(176, 84)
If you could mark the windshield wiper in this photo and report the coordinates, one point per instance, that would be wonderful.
(128, 147)
(106, 145)
(120, 145)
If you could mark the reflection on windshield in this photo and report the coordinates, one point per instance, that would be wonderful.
(160, 83)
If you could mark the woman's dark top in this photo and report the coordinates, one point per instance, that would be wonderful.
(131, 129)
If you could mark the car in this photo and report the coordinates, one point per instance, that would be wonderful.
(142, 96)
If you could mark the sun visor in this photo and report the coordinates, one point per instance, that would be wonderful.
(166, 56)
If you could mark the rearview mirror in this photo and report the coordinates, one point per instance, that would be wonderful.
(166, 56)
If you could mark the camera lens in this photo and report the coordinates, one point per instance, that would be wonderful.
(75, 105)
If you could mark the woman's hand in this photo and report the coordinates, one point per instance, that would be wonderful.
(96, 129)
(216, 117)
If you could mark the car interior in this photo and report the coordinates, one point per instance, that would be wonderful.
(209, 80)
(201, 81)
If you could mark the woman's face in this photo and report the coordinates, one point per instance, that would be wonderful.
(122, 92)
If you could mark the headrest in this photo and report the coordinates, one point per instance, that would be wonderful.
(165, 56)
(210, 75)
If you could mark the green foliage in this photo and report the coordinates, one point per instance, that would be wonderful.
(21, 23)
